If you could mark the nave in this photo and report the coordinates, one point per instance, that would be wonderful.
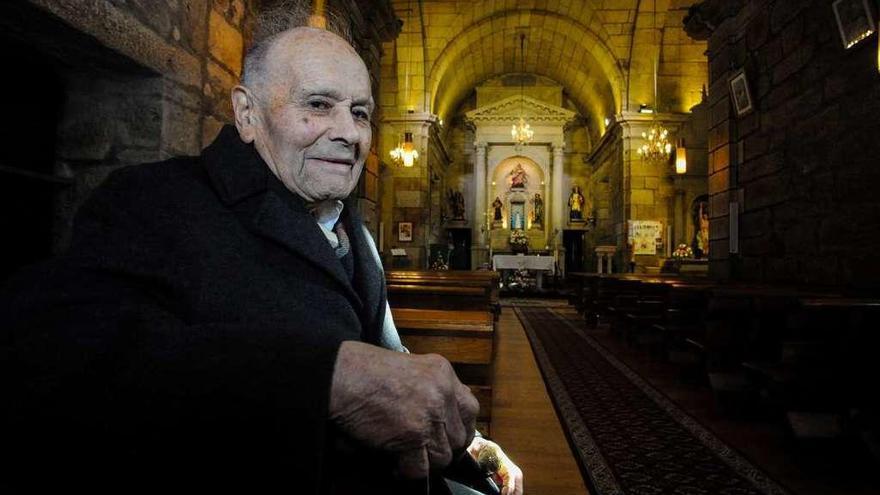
(522, 422)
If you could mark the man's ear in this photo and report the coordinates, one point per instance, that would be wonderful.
(245, 113)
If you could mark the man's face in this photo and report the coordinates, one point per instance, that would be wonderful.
(313, 114)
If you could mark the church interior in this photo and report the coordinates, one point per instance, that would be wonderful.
(641, 230)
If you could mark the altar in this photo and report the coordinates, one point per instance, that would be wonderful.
(539, 264)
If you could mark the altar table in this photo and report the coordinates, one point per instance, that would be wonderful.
(523, 262)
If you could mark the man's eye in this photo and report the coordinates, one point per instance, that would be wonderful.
(319, 105)
(361, 114)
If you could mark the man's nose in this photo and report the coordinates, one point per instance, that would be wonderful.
(344, 127)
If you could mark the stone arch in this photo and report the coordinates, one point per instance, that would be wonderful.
(485, 49)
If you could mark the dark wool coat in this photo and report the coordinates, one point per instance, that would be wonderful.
(187, 339)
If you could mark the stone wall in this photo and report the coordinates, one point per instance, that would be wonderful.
(147, 80)
(801, 168)
(604, 193)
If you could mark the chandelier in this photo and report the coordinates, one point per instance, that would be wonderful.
(521, 132)
(657, 147)
(405, 153)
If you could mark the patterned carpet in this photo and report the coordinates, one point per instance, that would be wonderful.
(629, 438)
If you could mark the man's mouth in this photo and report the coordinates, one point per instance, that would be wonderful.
(335, 160)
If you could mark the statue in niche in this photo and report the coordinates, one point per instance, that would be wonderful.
(455, 199)
(518, 177)
(576, 203)
(517, 216)
(538, 212)
(496, 205)
(701, 226)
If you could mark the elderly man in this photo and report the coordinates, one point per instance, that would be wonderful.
(220, 322)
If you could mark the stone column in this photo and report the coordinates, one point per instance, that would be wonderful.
(479, 208)
(679, 218)
(560, 198)
(480, 244)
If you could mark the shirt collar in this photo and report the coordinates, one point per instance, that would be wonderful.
(327, 212)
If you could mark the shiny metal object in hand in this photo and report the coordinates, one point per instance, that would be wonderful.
(488, 459)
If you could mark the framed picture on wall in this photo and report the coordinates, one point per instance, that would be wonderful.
(854, 20)
(740, 94)
(405, 231)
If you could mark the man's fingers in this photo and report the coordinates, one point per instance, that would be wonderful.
(459, 426)
(439, 450)
(468, 405)
(413, 464)
(513, 479)
(468, 409)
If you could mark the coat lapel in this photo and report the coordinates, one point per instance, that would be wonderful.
(241, 179)
(369, 281)
(298, 232)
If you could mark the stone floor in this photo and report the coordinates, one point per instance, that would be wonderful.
(524, 422)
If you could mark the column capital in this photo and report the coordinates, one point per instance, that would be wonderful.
(558, 150)
(481, 146)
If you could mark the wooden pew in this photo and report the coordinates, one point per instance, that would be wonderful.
(459, 336)
(445, 290)
(824, 380)
(465, 338)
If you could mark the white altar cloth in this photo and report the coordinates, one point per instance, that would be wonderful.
(514, 262)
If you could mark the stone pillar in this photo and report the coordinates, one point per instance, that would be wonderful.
(479, 209)
(480, 232)
(560, 198)
(680, 219)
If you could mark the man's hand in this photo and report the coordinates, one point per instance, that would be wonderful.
(511, 475)
(410, 405)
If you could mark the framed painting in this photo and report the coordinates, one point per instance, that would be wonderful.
(740, 94)
(405, 231)
(854, 21)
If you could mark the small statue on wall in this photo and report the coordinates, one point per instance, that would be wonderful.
(497, 205)
(518, 177)
(455, 199)
(538, 216)
(701, 221)
(576, 203)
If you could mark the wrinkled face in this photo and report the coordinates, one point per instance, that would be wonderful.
(312, 114)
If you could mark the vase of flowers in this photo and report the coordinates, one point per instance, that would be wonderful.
(519, 241)
(683, 251)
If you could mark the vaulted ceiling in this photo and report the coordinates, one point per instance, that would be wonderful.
(601, 51)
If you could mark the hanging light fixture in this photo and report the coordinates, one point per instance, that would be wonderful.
(405, 153)
(521, 132)
(681, 166)
(657, 147)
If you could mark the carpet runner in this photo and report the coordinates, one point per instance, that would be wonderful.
(629, 439)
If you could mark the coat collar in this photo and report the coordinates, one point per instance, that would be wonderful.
(236, 169)
(242, 180)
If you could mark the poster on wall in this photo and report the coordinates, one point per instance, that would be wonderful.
(645, 236)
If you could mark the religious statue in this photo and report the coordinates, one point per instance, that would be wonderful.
(455, 199)
(497, 204)
(538, 218)
(702, 234)
(516, 218)
(576, 204)
(518, 177)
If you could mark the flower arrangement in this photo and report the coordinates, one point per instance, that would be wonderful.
(519, 239)
(439, 264)
(683, 251)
